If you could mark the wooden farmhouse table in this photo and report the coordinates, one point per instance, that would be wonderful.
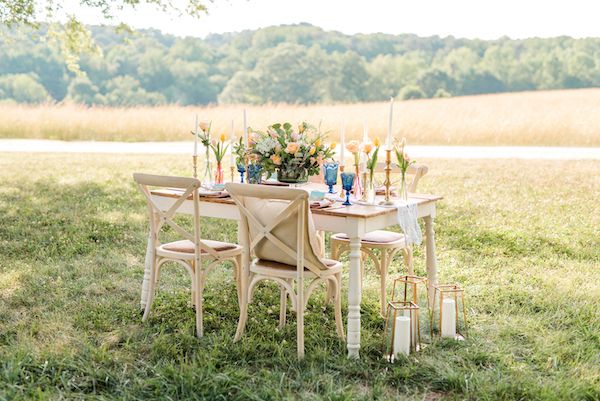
(355, 221)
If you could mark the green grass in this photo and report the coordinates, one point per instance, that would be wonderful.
(521, 236)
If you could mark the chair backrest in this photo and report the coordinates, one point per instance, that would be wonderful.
(277, 226)
(159, 216)
(414, 173)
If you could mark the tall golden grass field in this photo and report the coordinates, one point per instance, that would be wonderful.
(545, 118)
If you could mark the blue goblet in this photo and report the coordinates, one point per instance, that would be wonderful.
(331, 173)
(241, 169)
(254, 174)
(347, 182)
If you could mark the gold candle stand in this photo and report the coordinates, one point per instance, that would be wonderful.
(341, 170)
(195, 165)
(232, 173)
(388, 182)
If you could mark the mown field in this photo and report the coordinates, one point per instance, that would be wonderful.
(521, 236)
(551, 118)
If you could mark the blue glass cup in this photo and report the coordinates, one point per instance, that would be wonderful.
(241, 169)
(331, 173)
(254, 174)
(347, 182)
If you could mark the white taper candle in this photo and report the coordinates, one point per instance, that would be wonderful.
(245, 131)
(342, 143)
(389, 137)
(196, 137)
(231, 158)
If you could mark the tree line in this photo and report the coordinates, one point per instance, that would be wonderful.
(291, 64)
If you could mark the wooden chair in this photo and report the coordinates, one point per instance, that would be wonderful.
(277, 227)
(387, 243)
(189, 252)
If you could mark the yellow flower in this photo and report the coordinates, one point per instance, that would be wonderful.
(292, 148)
(301, 127)
(312, 150)
(276, 160)
(332, 146)
(353, 146)
(377, 142)
(318, 142)
(222, 137)
(367, 147)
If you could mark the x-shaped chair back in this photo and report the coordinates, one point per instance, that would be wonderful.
(276, 225)
(415, 172)
(159, 216)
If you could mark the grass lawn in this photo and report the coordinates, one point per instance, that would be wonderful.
(523, 237)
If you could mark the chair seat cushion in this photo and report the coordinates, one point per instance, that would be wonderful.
(270, 268)
(376, 237)
(187, 246)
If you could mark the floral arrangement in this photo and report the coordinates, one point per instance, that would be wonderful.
(295, 154)
(403, 158)
(354, 148)
(371, 155)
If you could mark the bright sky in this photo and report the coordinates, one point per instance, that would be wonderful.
(486, 19)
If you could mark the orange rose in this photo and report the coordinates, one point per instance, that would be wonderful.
(204, 125)
(276, 160)
(292, 148)
(353, 146)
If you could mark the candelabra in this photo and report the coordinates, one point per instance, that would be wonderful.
(388, 182)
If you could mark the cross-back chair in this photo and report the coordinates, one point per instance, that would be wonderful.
(276, 227)
(386, 243)
(188, 252)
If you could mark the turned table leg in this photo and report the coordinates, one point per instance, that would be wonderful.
(430, 255)
(354, 298)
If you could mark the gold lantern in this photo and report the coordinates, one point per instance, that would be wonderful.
(414, 289)
(448, 303)
(401, 332)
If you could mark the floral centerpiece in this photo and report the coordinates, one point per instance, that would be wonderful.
(204, 137)
(219, 148)
(404, 163)
(294, 154)
(354, 148)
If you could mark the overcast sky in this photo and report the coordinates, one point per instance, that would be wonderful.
(486, 19)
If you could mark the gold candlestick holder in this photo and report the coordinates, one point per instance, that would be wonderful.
(388, 181)
(195, 166)
(232, 173)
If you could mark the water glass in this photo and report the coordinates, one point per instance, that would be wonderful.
(331, 173)
(347, 182)
(254, 174)
(241, 168)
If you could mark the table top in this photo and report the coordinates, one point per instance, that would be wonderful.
(337, 209)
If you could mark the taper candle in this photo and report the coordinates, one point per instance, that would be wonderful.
(342, 143)
(245, 131)
(231, 157)
(389, 137)
(196, 137)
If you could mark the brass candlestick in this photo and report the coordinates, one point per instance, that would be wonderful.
(388, 182)
(232, 173)
(195, 165)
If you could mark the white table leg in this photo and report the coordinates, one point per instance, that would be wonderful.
(430, 255)
(354, 298)
(147, 271)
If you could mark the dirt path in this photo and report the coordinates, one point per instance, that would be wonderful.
(436, 152)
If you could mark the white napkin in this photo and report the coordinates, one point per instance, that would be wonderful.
(407, 218)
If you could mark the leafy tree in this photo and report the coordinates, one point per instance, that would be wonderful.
(127, 91)
(23, 88)
(411, 92)
(432, 80)
(82, 90)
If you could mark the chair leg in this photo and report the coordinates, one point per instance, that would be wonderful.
(199, 277)
(282, 307)
(151, 289)
(243, 309)
(383, 272)
(300, 323)
(334, 249)
(237, 271)
(339, 324)
(408, 260)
